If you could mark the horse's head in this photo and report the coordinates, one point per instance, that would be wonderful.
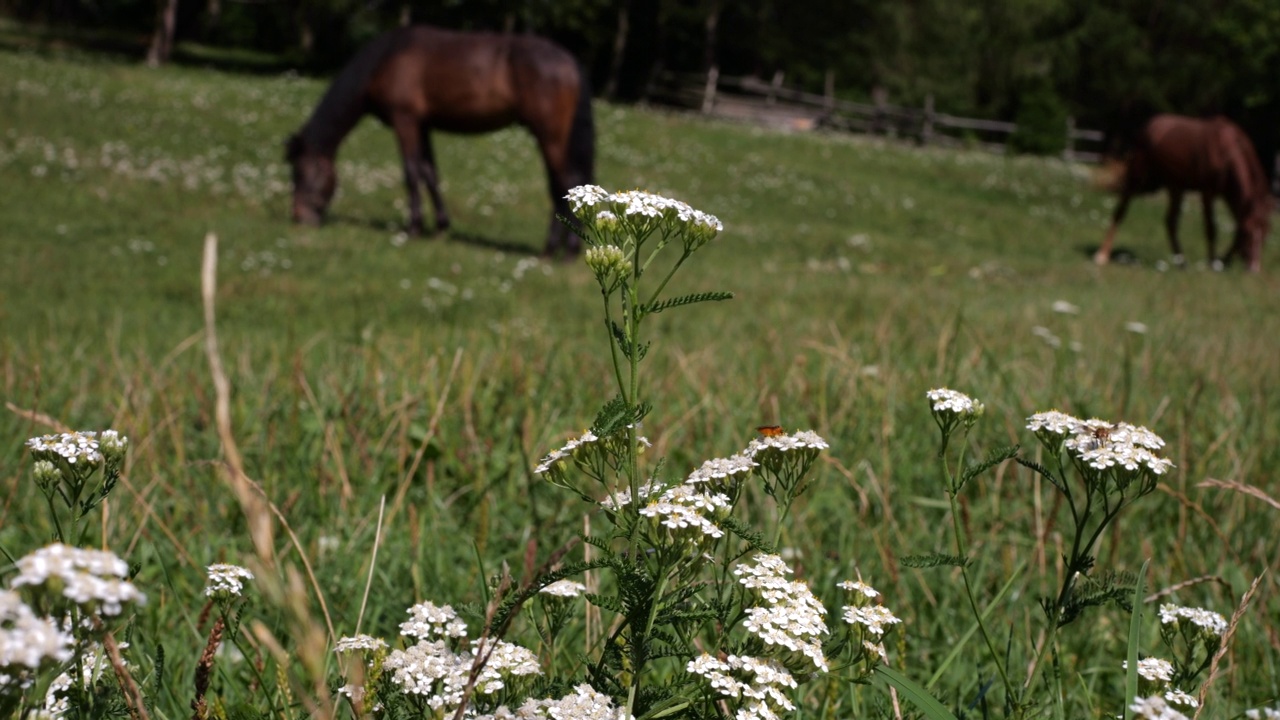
(314, 180)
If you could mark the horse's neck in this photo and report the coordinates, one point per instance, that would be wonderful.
(325, 132)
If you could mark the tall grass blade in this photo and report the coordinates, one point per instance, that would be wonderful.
(918, 696)
(1135, 639)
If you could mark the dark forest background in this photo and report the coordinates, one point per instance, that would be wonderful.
(1110, 64)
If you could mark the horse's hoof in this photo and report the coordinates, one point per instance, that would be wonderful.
(1101, 258)
(415, 229)
(1180, 260)
(442, 227)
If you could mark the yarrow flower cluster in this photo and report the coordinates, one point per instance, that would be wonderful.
(584, 703)
(788, 618)
(93, 579)
(433, 671)
(1155, 708)
(1153, 670)
(582, 450)
(27, 641)
(622, 498)
(359, 643)
(1126, 450)
(720, 473)
(683, 507)
(632, 215)
(1262, 714)
(564, 588)
(868, 620)
(428, 621)
(1210, 623)
(83, 447)
(761, 685)
(947, 401)
(226, 581)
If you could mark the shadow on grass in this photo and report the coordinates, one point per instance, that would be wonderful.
(1119, 255)
(476, 240)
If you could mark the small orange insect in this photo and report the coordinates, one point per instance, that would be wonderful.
(771, 430)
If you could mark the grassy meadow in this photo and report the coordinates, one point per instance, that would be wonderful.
(436, 372)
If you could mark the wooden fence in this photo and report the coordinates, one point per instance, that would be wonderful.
(754, 99)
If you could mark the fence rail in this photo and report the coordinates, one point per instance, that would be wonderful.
(771, 102)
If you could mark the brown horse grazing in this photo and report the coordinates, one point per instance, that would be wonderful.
(1213, 157)
(419, 79)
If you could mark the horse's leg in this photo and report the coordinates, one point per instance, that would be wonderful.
(1211, 232)
(409, 138)
(1103, 256)
(432, 179)
(554, 156)
(1171, 225)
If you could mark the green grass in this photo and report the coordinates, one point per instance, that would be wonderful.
(436, 372)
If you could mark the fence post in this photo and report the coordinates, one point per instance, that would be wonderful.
(926, 127)
(1069, 149)
(772, 97)
(709, 92)
(880, 97)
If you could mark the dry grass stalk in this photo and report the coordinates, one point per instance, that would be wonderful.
(1241, 488)
(1186, 584)
(1226, 641)
(259, 520)
(132, 696)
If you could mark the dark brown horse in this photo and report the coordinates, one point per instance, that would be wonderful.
(420, 79)
(1212, 157)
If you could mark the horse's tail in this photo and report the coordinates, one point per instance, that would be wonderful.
(582, 134)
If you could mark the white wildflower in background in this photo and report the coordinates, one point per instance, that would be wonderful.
(720, 472)
(1065, 308)
(1262, 714)
(586, 196)
(863, 589)
(28, 641)
(1211, 623)
(565, 588)
(359, 643)
(584, 703)
(556, 456)
(428, 621)
(226, 581)
(945, 401)
(622, 498)
(1153, 669)
(1053, 423)
(1184, 699)
(93, 579)
(873, 617)
(1155, 708)
(1136, 328)
(800, 440)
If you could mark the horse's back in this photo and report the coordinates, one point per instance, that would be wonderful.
(471, 82)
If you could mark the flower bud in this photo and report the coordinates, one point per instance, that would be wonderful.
(47, 474)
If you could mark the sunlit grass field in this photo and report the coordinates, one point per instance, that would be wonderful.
(435, 372)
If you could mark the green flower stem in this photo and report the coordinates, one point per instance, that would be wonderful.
(639, 643)
(962, 551)
(653, 297)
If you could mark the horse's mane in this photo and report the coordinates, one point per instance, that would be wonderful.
(343, 103)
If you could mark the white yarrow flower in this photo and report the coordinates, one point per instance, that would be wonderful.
(226, 581)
